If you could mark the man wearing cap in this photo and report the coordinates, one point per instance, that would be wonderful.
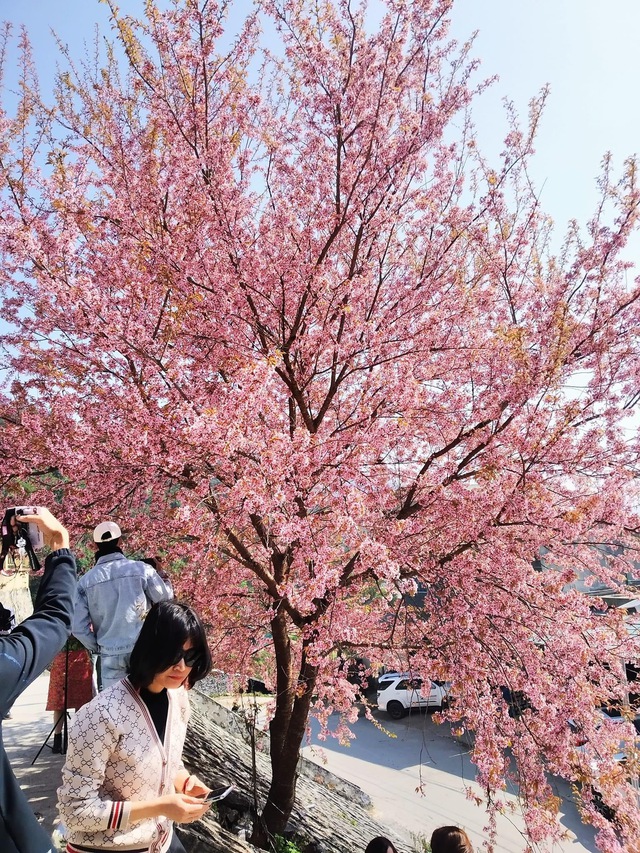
(111, 602)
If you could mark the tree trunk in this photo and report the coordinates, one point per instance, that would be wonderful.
(287, 729)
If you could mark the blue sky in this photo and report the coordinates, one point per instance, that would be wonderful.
(584, 49)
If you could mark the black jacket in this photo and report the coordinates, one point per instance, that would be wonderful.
(24, 653)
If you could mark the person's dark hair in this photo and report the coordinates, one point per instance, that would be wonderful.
(450, 839)
(150, 561)
(111, 546)
(169, 624)
(380, 844)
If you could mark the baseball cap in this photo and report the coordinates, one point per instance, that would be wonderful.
(106, 531)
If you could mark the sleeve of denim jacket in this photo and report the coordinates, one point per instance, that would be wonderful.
(156, 588)
(81, 626)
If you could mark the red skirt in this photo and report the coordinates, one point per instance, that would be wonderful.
(79, 681)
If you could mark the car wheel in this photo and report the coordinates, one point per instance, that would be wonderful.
(396, 710)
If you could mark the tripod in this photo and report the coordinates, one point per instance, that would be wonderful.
(64, 713)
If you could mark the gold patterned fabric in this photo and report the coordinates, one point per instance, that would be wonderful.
(115, 756)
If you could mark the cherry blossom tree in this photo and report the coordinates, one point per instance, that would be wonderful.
(271, 308)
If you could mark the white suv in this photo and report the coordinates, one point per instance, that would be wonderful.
(397, 695)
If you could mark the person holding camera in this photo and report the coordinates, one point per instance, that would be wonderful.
(123, 782)
(111, 602)
(24, 653)
(17, 547)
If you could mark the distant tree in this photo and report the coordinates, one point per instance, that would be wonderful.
(274, 311)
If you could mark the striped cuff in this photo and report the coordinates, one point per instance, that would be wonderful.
(80, 848)
(119, 817)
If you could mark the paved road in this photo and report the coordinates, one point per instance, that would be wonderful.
(390, 767)
(417, 775)
(23, 736)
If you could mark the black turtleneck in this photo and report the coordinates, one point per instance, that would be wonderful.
(158, 705)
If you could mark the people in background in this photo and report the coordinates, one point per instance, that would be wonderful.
(123, 782)
(70, 686)
(380, 844)
(450, 839)
(157, 564)
(24, 653)
(112, 600)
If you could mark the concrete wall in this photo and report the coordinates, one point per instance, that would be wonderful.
(229, 715)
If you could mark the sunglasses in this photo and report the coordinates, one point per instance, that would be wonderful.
(189, 656)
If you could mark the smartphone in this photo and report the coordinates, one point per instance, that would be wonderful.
(216, 794)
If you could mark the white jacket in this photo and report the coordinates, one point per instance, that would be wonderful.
(114, 756)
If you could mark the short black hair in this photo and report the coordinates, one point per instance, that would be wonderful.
(380, 844)
(109, 546)
(167, 627)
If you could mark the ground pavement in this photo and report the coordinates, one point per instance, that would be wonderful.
(23, 736)
(417, 775)
(365, 763)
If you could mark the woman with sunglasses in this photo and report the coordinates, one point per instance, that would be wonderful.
(123, 782)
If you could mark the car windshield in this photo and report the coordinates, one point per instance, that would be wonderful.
(611, 710)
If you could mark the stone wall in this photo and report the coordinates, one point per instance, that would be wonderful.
(331, 814)
(232, 717)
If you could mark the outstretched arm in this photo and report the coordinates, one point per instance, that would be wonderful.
(32, 645)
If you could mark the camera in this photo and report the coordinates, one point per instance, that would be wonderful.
(7, 620)
(17, 534)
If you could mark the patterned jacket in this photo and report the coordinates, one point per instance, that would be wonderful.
(114, 756)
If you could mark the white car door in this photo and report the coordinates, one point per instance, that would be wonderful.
(418, 694)
(413, 692)
(430, 694)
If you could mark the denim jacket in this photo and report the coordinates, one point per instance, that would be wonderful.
(112, 600)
